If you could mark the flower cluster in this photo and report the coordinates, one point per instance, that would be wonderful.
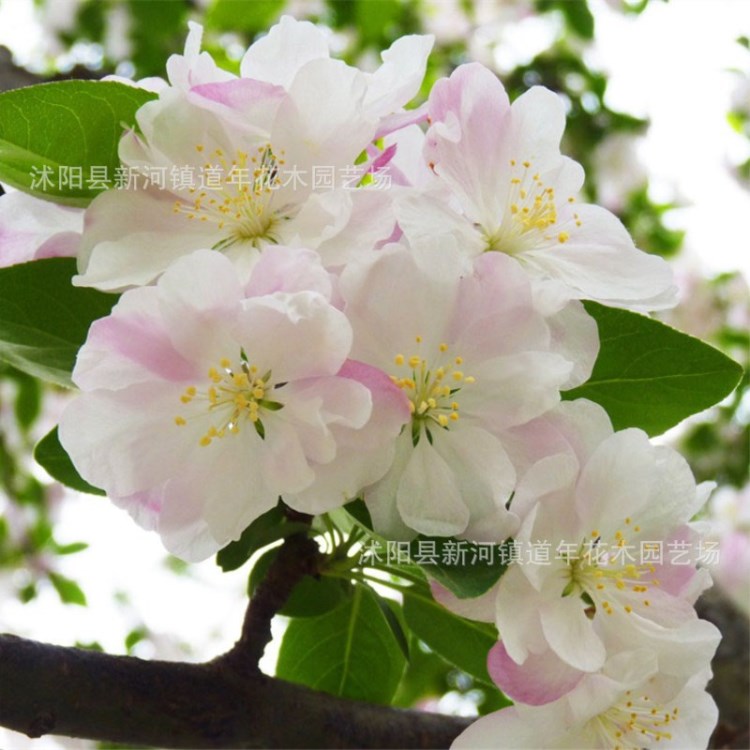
(408, 346)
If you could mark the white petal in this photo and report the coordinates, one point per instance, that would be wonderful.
(486, 479)
(287, 269)
(294, 335)
(278, 56)
(616, 482)
(380, 497)
(571, 634)
(517, 615)
(398, 79)
(136, 446)
(379, 291)
(599, 261)
(429, 497)
(575, 336)
(508, 729)
(117, 252)
(200, 298)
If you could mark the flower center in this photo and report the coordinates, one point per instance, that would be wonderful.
(609, 571)
(432, 390)
(236, 196)
(634, 722)
(234, 397)
(529, 215)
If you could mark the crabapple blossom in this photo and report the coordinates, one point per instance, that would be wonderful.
(562, 618)
(253, 146)
(626, 500)
(502, 185)
(609, 506)
(475, 359)
(202, 405)
(625, 706)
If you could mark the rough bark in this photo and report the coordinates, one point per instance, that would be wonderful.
(66, 691)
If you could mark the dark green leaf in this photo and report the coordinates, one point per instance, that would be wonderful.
(578, 17)
(27, 593)
(651, 376)
(462, 642)
(264, 530)
(28, 398)
(393, 615)
(349, 651)
(68, 591)
(50, 455)
(467, 569)
(358, 510)
(44, 319)
(158, 28)
(66, 124)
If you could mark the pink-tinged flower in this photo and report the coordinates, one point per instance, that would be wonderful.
(603, 516)
(290, 45)
(31, 229)
(509, 190)
(202, 405)
(243, 192)
(475, 359)
(238, 164)
(609, 583)
(627, 706)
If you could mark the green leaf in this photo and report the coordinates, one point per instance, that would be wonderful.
(70, 549)
(358, 510)
(51, 456)
(66, 124)
(68, 591)
(394, 617)
(134, 637)
(252, 18)
(309, 598)
(349, 651)
(462, 642)
(44, 319)
(651, 376)
(578, 17)
(465, 568)
(157, 28)
(28, 401)
(264, 530)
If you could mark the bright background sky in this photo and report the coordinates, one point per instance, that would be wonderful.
(671, 64)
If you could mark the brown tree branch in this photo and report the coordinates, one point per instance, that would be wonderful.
(66, 691)
(297, 557)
